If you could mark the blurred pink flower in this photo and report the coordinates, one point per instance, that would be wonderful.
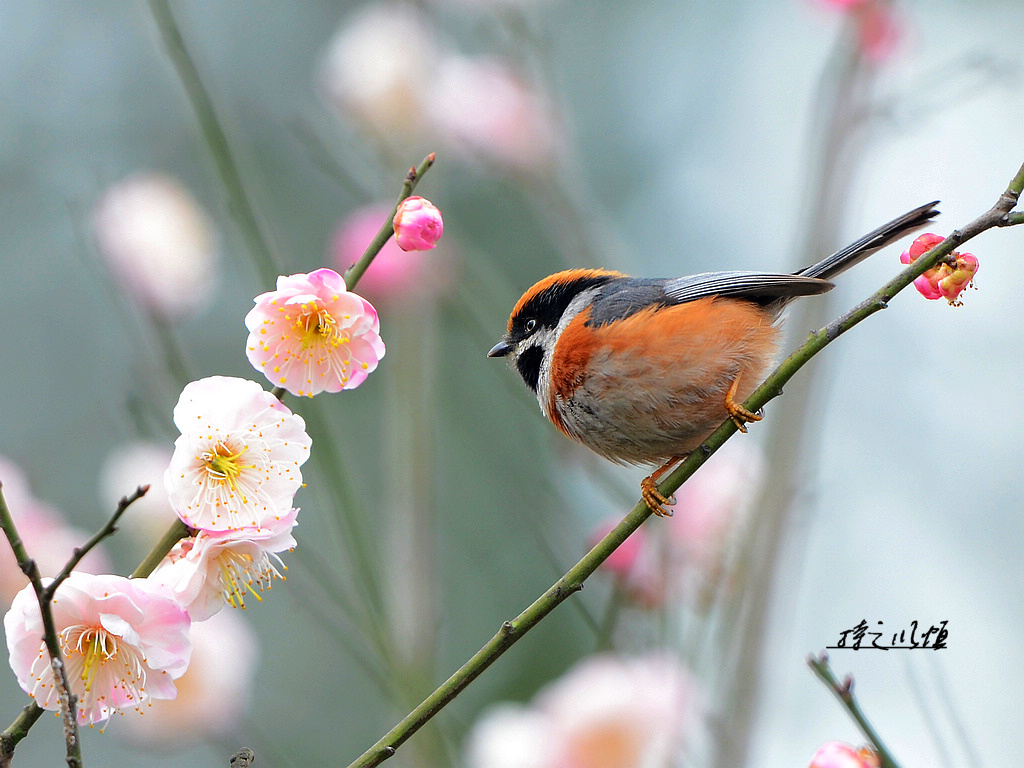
(418, 225)
(47, 538)
(835, 754)
(124, 643)
(313, 335)
(237, 462)
(213, 694)
(481, 108)
(714, 501)
(213, 568)
(376, 69)
(637, 566)
(159, 245)
(686, 555)
(606, 711)
(942, 281)
(623, 560)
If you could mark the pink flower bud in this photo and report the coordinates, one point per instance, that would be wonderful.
(835, 754)
(418, 224)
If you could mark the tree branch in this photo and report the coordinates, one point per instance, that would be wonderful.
(511, 631)
(44, 596)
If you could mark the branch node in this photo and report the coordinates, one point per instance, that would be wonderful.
(242, 758)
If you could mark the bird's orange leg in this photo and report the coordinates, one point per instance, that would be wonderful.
(655, 500)
(740, 416)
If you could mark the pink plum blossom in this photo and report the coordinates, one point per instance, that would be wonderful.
(213, 694)
(49, 540)
(417, 223)
(835, 754)
(159, 244)
(958, 277)
(213, 568)
(313, 335)
(236, 464)
(943, 280)
(605, 711)
(124, 642)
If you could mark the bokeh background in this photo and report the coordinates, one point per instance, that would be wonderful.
(659, 138)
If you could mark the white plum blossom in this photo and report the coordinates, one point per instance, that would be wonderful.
(237, 462)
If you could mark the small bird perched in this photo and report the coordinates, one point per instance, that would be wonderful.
(643, 370)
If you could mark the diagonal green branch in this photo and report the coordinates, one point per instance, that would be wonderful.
(240, 203)
(511, 631)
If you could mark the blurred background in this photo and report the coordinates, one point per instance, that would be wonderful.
(228, 143)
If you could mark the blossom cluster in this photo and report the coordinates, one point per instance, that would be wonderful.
(231, 479)
(944, 281)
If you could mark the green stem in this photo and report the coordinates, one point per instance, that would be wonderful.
(174, 534)
(239, 202)
(844, 692)
(17, 731)
(509, 633)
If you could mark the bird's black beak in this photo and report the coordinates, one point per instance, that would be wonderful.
(500, 349)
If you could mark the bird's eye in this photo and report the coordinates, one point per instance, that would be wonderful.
(531, 324)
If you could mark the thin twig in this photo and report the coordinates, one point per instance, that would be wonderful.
(240, 202)
(108, 529)
(844, 692)
(68, 702)
(412, 178)
(44, 596)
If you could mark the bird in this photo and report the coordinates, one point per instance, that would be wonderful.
(643, 370)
